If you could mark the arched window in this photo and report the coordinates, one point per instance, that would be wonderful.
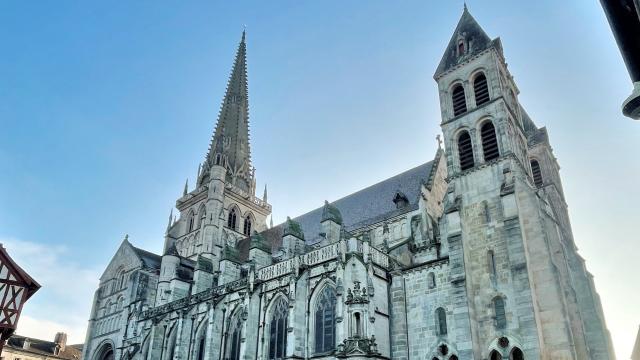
(495, 355)
(357, 325)
(461, 48)
(516, 354)
(192, 219)
(489, 141)
(218, 159)
(459, 100)
(278, 330)
(499, 311)
(232, 219)
(537, 174)
(201, 344)
(441, 321)
(465, 151)
(480, 89)
(325, 314)
(234, 339)
(247, 226)
(431, 280)
(453, 357)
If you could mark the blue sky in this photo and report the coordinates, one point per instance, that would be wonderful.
(107, 107)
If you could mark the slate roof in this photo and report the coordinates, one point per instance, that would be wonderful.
(362, 208)
(475, 36)
(45, 348)
(149, 259)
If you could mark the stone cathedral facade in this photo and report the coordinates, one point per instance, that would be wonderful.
(467, 256)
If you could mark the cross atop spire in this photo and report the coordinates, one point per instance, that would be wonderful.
(230, 142)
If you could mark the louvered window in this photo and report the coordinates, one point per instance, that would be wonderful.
(501, 317)
(481, 89)
(465, 151)
(459, 101)
(441, 321)
(537, 174)
(489, 142)
(278, 330)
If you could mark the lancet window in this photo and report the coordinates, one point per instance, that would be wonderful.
(234, 339)
(247, 226)
(278, 330)
(500, 314)
(441, 321)
(325, 314)
(232, 220)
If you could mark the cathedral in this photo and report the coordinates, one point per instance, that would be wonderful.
(467, 256)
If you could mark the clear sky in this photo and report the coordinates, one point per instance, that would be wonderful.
(107, 107)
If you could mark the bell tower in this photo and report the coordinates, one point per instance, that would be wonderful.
(512, 252)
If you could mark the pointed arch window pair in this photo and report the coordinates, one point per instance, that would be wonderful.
(324, 317)
(278, 330)
(516, 354)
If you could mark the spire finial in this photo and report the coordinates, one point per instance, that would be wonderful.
(244, 32)
(126, 237)
(264, 196)
(439, 140)
(465, 6)
(271, 222)
(186, 187)
(170, 221)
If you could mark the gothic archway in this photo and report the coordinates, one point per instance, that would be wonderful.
(105, 352)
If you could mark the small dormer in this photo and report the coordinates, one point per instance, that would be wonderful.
(400, 199)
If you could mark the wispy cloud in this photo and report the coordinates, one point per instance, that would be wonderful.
(64, 301)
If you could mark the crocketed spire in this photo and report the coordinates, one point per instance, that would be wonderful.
(230, 142)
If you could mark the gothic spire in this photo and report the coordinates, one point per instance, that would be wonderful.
(230, 142)
(467, 40)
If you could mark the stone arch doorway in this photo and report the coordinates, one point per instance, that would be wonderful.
(105, 352)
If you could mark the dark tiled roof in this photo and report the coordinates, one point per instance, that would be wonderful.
(362, 208)
(474, 35)
(149, 259)
(46, 348)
